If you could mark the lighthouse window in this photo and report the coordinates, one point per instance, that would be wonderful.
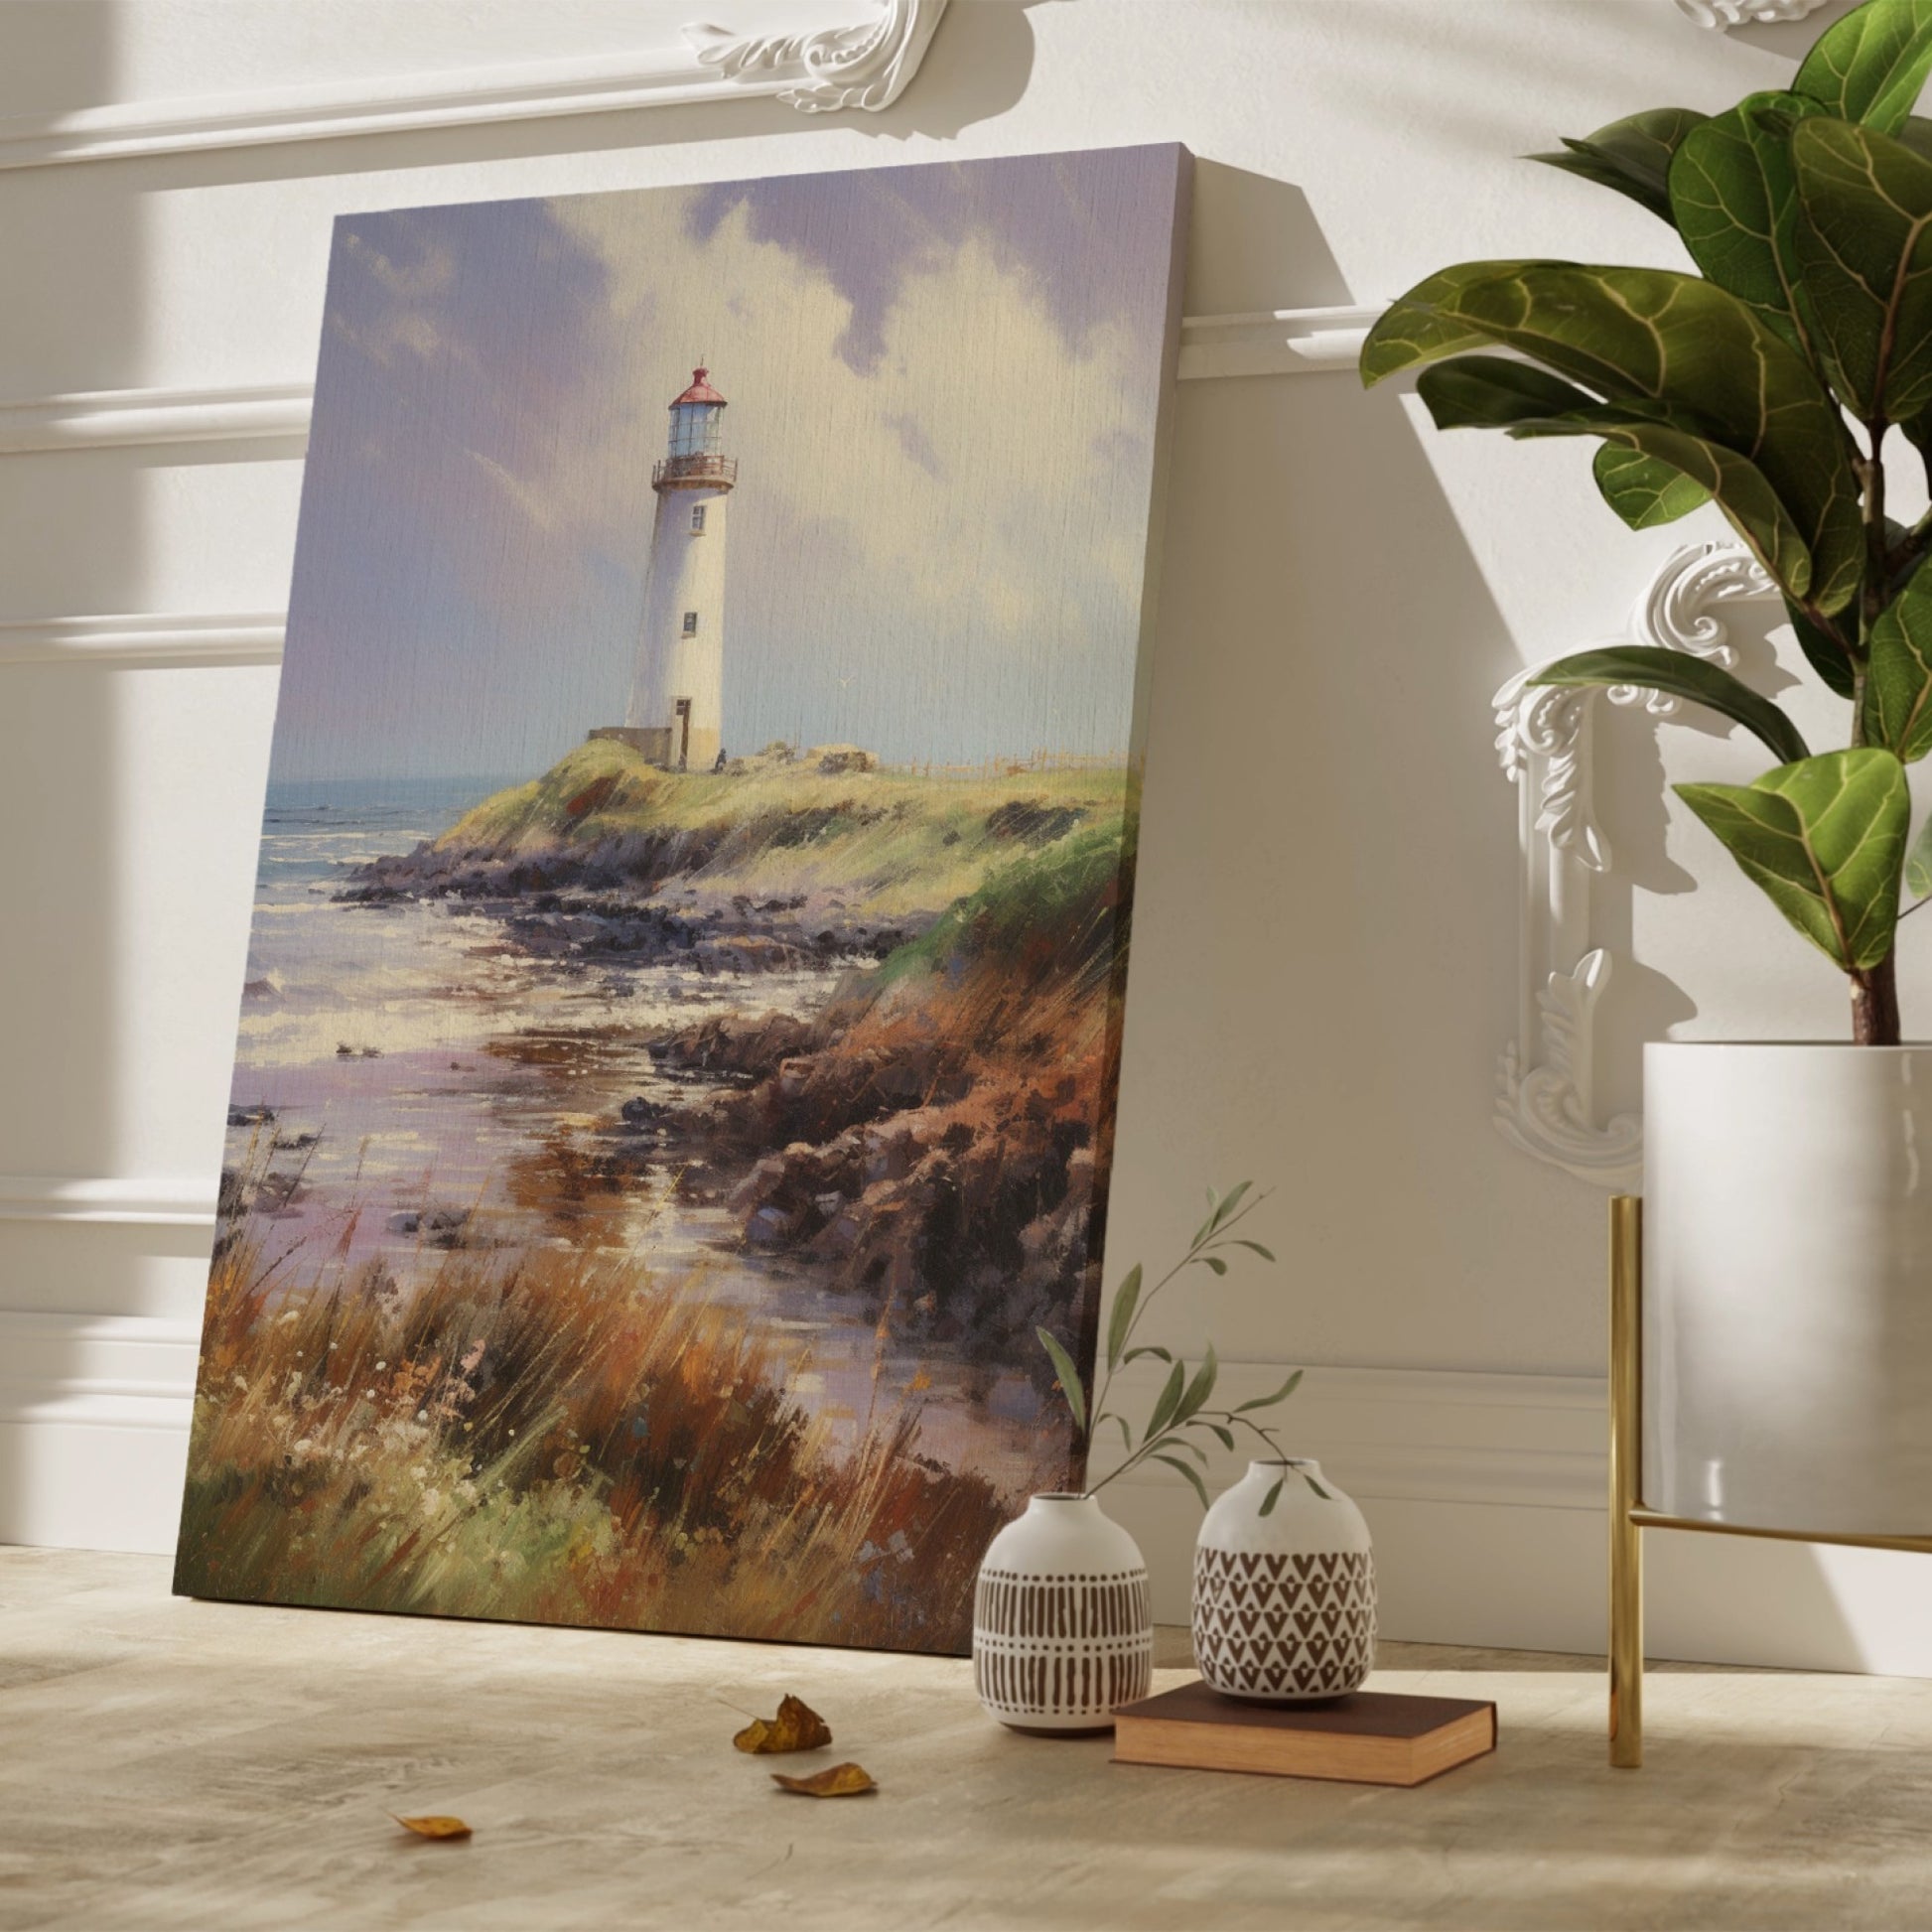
(697, 519)
(690, 623)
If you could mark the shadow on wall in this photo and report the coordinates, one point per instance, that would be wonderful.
(1324, 941)
(60, 733)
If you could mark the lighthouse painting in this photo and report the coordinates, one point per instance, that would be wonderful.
(679, 1050)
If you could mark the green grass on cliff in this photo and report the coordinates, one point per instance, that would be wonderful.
(897, 844)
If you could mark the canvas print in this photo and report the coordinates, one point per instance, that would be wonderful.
(677, 1060)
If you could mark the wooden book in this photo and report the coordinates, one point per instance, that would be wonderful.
(1368, 1737)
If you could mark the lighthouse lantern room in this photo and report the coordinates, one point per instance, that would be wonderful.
(675, 716)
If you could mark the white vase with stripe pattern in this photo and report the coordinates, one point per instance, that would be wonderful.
(1062, 1630)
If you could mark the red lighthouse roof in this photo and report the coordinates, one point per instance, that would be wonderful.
(700, 390)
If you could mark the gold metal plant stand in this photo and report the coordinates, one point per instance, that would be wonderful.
(1628, 1516)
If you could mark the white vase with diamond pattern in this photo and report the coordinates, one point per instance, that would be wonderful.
(1284, 1604)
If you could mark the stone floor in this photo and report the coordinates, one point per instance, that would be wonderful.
(175, 1765)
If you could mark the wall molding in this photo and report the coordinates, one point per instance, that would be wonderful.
(1279, 342)
(1722, 15)
(1486, 1494)
(148, 1202)
(1546, 1102)
(1274, 342)
(864, 63)
(131, 418)
(157, 638)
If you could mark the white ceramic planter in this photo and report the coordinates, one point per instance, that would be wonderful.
(1284, 1604)
(1062, 1634)
(1787, 1294)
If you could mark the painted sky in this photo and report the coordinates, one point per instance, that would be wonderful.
(943, 383)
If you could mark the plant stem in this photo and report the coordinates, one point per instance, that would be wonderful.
(1875, 1005)
(1207, 1238)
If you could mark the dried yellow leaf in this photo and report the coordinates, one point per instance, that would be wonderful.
(797, 1727)
(433, 1826)
(839, 1782)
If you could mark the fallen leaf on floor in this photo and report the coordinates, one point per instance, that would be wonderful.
(797, 1727)
(840, 1781)
(433, 1826)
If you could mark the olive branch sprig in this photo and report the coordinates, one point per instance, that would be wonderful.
(1181, 1409)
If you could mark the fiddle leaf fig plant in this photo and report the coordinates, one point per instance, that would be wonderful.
(1777, 381)
(1182, 1411)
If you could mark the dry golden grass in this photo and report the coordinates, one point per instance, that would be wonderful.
(548, 1438)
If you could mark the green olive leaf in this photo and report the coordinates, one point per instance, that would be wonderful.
(1644, 490)
(1069, 1378)
(1734, 198)
(1282, 1394)
(1190, 1472)
(1273, 1496)
(1651, 667)
(1198, 1390)
(1118, 1328)
(1898, 672)
(1172, 1391)
(1872, 65)
(1824, 838)
(1865, 246)
(1665, 346)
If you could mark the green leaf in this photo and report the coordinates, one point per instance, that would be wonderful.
(1223, 1431)
(1273, 1496)
(1316, 1487)
(1214, 1262)
(1872, 65)
(1918, 862)
(1670, 350)
(1493, 392)
(1739, 488)
(1199, 1389)
(1174, 1440)
(1231, 1201)
(1422, 327)
(1631, 156)
(1242, 1241)
(1734, 198)
(1496, 392)
(1190, 1472)
(1866, 249)
(1825, 839)
(1651, 667)
(1823, 652)
(1282, 1394)
(1127, 1294)
(1069, 1378)
(1898, 672)
(1145, 1348)
(1644, 490)
(1171, 1393)
(1120, 1422)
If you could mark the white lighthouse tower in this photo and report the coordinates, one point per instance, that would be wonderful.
(677, 702)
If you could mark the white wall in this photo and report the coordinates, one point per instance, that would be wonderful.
(1325, 947)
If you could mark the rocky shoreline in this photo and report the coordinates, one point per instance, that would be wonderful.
(927, 1139)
